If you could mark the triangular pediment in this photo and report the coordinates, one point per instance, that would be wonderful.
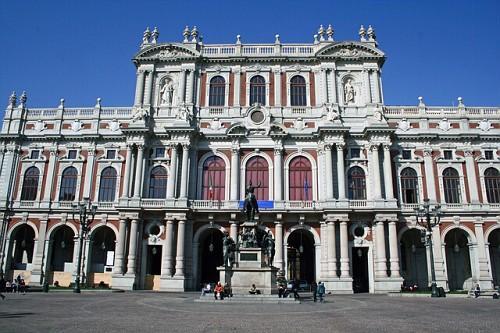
(350, 51)
(166, 52)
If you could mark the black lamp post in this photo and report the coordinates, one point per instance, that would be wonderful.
(84, 209)
(425, 211)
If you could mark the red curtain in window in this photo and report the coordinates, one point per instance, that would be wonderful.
(258, 172)
(214, 179)
(300, 179)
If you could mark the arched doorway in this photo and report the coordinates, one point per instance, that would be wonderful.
(101, 256)
(414, 259)
(494, 241)
(301, 256)
(211, 255)
(61, 256)
(457, 259)
(22, 245)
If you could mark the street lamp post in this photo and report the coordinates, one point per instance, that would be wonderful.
(425, 211)
(84, 209)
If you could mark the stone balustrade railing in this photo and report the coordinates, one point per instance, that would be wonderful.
(440, 112)
(79, 113)
(249, 50)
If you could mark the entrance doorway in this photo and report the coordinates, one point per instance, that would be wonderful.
(211, 256)
(153, 267)
(301, 256)
(458, 260)
(360, 282)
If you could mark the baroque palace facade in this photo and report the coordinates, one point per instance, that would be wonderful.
(339, 173)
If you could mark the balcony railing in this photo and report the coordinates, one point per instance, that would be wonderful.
(440, 111)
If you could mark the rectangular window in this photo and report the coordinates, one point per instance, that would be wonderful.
(406, 154)
(448, 154)
(159, 152)
(488, 154)
(35, 154)
(355, 153)
(72, 154)
(111, 154)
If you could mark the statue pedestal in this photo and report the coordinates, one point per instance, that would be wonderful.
(249, 269)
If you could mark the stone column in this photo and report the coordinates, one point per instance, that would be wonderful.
(377, 194)
(429, 175)
(332, 258)
(324, 250)
(325, 85)
(333, 88)
(393, 250)
(341, 171)
(381, 260)
(344, 251)
(173, 173)
(166, 267)
(138, 171)
(237, 84)
(389, 190)
(329, 172)
(483, 272)
(233, 231)
(120, 248)
(126, 178)
(149, 88)
(184, 171)
(179, 259)
(36, 273)
(182, 86)
(471, 176)
(235, 173)
(278, 259)
(132, 247)
(49, 182)
(139, 88)
(89, 172)
(438, 256)
(277, 87)
(278, 174)
(191, 87)
(376, 97)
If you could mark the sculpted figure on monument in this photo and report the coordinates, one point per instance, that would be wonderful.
(349, 92)
(269, 248)
(250, 205)
(228, 249)
(167, 93)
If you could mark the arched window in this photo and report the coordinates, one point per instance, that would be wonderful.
(298, 91)
(300, 179)
(409, 186)
(492, 183)
(214, 179)
(158, 183)
(217, 92)
(67, 191)
(107, 188)
(257, 90)
(257, 172)
(357, 184)
(30, 184)
(451, 186)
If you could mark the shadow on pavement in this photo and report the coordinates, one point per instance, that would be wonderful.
(15, 314)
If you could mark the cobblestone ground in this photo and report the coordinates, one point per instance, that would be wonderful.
(177, 312)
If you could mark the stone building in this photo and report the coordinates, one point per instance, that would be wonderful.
(340, 173)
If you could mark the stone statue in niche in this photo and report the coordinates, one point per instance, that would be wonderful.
(349, 92)
(331, 113)
(167, 93)
(183, 113)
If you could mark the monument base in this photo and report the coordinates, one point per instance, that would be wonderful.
(249, 269)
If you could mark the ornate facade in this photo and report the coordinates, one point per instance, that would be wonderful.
(339, 172)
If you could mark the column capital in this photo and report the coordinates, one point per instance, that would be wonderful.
(340, 145)
(373, 147)
(427, 152)
(235, 149)
(185, 146)
(468, 152)
(386, 146)
(278, 150)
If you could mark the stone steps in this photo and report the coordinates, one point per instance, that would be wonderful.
(259, 299)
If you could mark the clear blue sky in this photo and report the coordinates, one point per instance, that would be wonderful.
(81, 50)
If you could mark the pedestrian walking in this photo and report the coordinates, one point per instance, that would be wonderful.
(321, 291)
(296, 289)
(3, 284)
(314, 289)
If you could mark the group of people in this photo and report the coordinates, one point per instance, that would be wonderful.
(220, 291)
(16, 286)
(284, 288)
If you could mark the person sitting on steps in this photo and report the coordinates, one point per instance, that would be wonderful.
(253, 290)
(219, 291)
